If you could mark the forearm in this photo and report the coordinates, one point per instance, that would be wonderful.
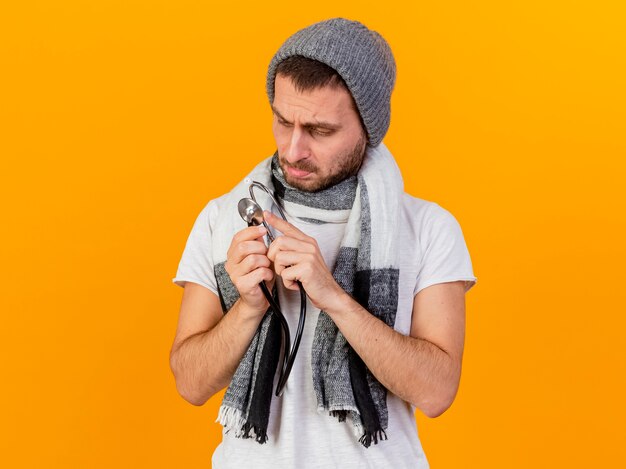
(414, 369)
(205, 362)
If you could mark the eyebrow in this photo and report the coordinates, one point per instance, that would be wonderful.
(316, 124)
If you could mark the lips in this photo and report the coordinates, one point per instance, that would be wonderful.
(297, 173)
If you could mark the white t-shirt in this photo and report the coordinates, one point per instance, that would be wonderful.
(299, 436)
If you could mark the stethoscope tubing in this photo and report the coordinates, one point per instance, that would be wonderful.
(289, 356)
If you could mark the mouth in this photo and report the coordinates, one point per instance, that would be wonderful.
(297, 173)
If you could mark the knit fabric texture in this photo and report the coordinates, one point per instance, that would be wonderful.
(360, 56)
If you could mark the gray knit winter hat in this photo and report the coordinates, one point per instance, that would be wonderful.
(361, 57)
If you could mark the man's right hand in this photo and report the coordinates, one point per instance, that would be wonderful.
(247, 265)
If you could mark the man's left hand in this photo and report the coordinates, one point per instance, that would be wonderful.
(297, 256)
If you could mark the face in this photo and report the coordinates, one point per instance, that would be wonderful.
(318, 133)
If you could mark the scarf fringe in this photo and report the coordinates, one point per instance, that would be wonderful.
(366, 439)
(233, 420)
(340, 412)
(259, 434)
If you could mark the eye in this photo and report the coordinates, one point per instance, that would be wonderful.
(322, 133)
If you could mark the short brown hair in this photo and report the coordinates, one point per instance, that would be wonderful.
(308, 74)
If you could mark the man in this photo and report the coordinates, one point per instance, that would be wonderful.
(385, 274)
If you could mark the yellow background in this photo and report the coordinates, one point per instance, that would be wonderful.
(119, 120)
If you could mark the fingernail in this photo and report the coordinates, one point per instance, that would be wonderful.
(267, 214)
(262, 229)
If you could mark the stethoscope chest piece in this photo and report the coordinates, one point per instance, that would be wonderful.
(252, 214)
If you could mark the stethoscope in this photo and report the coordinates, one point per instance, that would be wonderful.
(252, 214)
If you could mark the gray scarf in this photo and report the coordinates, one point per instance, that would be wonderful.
(366, 268)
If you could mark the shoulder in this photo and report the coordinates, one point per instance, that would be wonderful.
(423, 216)
(211, 211)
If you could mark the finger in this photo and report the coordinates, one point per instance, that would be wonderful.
(291, 275)
(254, 261)
(248, 234)
(287, 243)
(284, 226)
(249, 264)
(286, 259)
(238, 252)
(249, 284)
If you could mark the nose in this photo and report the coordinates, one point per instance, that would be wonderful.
(298, 146)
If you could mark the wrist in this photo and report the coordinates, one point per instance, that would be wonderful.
(343, 304)
(246, 312)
